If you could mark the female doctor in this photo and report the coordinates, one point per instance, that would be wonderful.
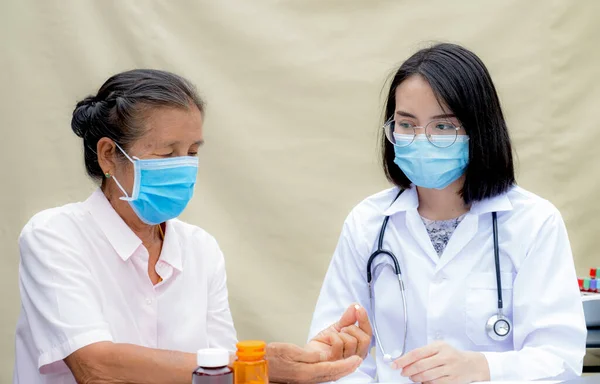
(486, 268)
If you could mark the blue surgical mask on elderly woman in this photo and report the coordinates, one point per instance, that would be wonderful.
(162, 188)
(428, 166)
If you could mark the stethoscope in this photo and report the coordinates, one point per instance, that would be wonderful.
(498, 326)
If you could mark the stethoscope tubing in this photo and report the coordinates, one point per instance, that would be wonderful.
(396, 265)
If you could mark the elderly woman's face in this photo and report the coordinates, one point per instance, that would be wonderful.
(170, 132)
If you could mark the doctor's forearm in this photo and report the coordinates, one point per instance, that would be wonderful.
(532, 364)
(112, 363)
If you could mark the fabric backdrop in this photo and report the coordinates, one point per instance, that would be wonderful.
(294, 92)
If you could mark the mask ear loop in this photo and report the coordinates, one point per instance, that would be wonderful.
(125, 153)
(126, 197)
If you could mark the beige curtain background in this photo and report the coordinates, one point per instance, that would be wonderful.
(294, 97)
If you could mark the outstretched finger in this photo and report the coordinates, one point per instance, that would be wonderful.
(347, 319)
(363, 321)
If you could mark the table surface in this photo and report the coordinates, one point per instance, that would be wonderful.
(586, 296)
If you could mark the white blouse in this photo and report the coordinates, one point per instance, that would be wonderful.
(83, 279)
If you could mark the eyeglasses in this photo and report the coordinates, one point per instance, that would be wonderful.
(440, 133)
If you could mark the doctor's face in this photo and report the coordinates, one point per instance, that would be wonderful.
(418, 110)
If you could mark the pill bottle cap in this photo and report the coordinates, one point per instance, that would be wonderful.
(212, 358)
(251, 350)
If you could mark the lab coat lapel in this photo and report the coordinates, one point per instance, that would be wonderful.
(417, 229)
(463, 234)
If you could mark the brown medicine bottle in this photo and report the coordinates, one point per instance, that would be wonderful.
(212, 367)
(251, 365)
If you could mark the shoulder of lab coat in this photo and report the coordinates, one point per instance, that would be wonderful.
(364, 221)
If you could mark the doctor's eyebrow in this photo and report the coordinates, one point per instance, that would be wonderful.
(405, 114)
(442, 116)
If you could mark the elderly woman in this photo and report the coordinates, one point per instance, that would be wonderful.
(115, 289)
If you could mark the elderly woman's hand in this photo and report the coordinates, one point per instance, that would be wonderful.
(345, 338)
(335, 352)
(289, 363)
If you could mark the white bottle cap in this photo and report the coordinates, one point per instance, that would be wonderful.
(212, 358)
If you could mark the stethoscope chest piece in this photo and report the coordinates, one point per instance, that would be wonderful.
(498, 327)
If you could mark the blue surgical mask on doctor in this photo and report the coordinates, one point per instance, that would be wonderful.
(162, 188)
(432, 159)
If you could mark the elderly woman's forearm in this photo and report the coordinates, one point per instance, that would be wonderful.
(114, 363)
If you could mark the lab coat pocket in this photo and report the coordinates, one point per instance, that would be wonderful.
(481, 302)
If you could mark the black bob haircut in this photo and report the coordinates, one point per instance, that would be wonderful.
(460, 80)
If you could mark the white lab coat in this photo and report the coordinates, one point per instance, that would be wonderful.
(451, 297)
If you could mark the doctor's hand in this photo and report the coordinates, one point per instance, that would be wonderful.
(439, 363)
(345, 338)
